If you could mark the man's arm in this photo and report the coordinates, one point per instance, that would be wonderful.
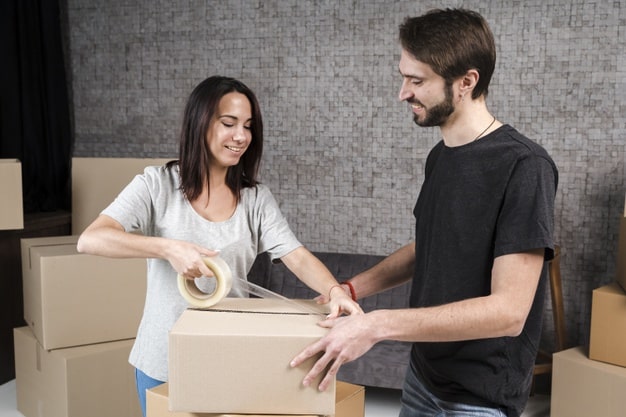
(502, 313)
(394, 270)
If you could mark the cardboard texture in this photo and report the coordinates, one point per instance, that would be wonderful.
(97, 181)
(234, 357)
(349, 402)
(621, 254)
(607, 341)
(94, 380)
(73, 299)
(11, 205)
(582, 387)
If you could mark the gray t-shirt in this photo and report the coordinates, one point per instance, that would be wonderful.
(153, 205)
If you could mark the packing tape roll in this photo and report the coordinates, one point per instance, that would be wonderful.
(200, 299)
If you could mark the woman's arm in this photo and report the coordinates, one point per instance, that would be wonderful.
(310, 270)
(107, 237)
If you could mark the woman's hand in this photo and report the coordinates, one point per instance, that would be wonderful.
(340, 302)
(187, 259)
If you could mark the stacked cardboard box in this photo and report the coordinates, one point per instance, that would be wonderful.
(82, 311)
(593, 383)
(245, 346)
(11, 206)
(97, 181)
(73, 299)
(349, 402)
(621, 251)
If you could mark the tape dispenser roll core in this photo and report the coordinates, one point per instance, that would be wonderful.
(200, 299)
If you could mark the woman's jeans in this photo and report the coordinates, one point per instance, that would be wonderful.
(144, 383)
(417, 401)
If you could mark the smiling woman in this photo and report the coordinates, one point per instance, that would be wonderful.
(206, 202)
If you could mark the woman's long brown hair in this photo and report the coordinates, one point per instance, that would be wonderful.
(194, 154)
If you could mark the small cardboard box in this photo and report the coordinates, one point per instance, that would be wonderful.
(73, 299)
(607, 341)
(349, 402)
(621, 253)
(235, 358)
(582, 387)
(97, 181)
(11, 205)
(94, 380)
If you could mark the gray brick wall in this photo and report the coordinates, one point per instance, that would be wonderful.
(343, 156)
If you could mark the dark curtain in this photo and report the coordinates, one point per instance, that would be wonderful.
(34, 105)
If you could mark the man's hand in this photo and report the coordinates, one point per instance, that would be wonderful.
(348, 339)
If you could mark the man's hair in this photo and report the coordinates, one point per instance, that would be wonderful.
(451, 42)
(194, 153)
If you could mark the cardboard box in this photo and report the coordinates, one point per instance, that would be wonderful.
(94, 380)
(97, 181)
(11, 205)
(349, 402)
(621, 253)
(73, 299)
(607, 341)
(582, 387)
(235, 358)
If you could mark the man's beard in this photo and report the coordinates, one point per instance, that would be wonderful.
(438, 114)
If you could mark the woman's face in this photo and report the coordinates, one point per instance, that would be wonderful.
(229, 133)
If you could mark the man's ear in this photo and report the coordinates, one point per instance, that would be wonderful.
(468, 82)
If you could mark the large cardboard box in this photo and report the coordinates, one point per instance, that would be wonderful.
(349, 402)
(582, 387)
(607, 341)
(235, 357)
(11, 205)
(73, 299)
(94, 380)
(621, 253)
(97, 181)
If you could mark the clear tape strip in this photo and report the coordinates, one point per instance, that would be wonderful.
(224, 282)
(262, 292)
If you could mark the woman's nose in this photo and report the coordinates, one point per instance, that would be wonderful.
(239, 135)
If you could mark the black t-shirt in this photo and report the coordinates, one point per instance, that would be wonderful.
(491, 197)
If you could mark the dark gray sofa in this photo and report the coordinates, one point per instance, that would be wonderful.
(385, 364)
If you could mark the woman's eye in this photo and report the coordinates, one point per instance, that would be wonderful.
(248, 127)
(227, 124)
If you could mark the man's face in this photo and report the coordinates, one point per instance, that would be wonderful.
(427, 93)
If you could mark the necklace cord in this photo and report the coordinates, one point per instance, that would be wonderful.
(483, 132)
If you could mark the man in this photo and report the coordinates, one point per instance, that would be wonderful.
(483, 231)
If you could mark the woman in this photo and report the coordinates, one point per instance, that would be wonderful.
(206, 202)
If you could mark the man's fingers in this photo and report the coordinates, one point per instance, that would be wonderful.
(331, 373)
(317, 369)
(308, 352)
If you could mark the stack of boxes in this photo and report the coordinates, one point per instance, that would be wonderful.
(83, 311)
(11, 210)
(593, 383)
(244, 346)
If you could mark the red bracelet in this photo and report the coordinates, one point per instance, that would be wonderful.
(351, 287)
